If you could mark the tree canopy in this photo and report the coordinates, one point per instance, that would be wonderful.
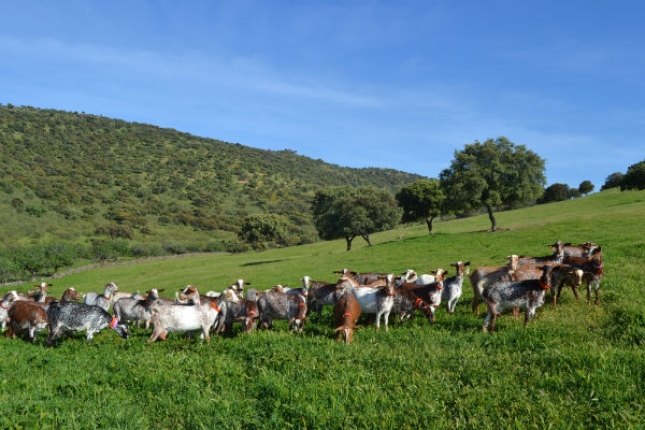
(348, 212)
(634, 179)
(490, 174)
(613, 180)
(422, 199)
(585, 187)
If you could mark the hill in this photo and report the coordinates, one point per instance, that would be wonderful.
(78, 177)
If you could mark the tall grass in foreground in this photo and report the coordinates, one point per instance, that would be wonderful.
(575, 366)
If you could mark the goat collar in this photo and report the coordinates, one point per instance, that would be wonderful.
(106, 297)
(114, 322)
(417, 303)
(598, 266)
(214, 305)
(252, 314)
(3, 306)
(543, 285)
(347, 314)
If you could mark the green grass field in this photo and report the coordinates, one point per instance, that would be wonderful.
(575, 366)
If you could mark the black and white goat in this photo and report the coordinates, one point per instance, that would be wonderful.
(76, 316)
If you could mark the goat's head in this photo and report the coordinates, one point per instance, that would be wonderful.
(190, 295)
(121, 329)
(346, 333)
(71, 294)
(298, 321)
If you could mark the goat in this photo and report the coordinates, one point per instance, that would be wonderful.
(410, 276)
(368, 278)
(29, 318)
(320, 294)
(406, 302)
(102, 301)
(5, 304)
(26, 318)
(245, 311)
(185, 318)
(68, 295)
(276, 305)
(452, 287)
(581, 250)
(593, 268)
(528, 293)
(486, 274)
(430, 294)
(573, 279)
(40, 293)
(347, 310)
(132, 309)
(373, 300)
(76, 316)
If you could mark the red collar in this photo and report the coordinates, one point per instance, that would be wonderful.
(543, 285)
(347, 314)
(417, 303)
(106, 298)
(114, 322)
(214, 305)
(3, 306)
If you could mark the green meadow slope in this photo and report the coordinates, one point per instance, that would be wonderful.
(574, 366)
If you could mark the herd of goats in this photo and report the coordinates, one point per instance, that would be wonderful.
(520, 284)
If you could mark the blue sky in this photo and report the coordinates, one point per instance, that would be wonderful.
(393, 84)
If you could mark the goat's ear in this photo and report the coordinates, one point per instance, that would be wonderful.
(453, 264)
(161, 290)
(467, 263)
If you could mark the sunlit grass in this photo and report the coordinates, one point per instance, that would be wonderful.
(574, 366)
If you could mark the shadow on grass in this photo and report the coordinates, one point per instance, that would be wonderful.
(258, 263)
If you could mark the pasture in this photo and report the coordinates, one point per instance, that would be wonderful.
(575, 366)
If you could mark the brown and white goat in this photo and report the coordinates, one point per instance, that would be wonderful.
(593, 268)
(429, 294)
(347, 310)
(373, 300)
(26, 319)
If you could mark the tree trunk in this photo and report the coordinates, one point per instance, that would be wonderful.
(429, 222)
(349, 239)
(491, 217)
(367, 239)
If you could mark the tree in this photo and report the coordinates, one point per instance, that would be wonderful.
(421, 200)
(585, 187)
(60, 254)
(613, 180)
(258, 228)
(346, 212)
(555, 193)
(634, 178)
(490, 174)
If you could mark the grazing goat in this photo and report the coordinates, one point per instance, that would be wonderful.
(429, 294)
(528, 294)
(581, 250)
(245, 311)
(593, 268)
(186, 318)
(347, 310)
(26, 319)
(373, 300)
(76, 316)
(276, 305)
(102, 301)
(452, 290)
(487, 274)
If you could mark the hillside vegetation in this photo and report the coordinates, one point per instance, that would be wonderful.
(575, 366)
(77, 177)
